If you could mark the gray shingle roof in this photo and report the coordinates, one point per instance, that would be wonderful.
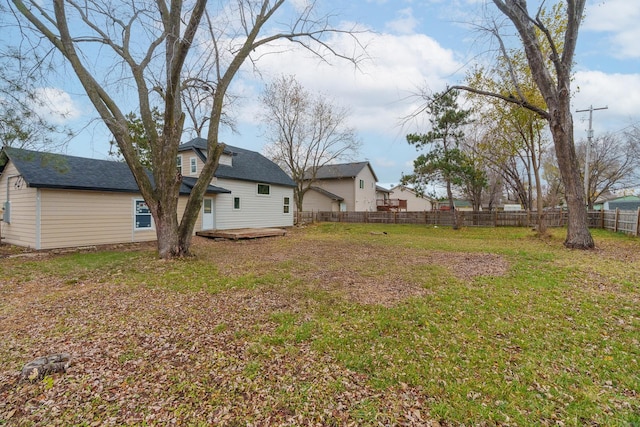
(48, 170)
(247, 165)
(344, 170)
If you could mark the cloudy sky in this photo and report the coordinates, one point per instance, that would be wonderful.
(413, 44)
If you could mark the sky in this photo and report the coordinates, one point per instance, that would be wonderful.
(411, 45)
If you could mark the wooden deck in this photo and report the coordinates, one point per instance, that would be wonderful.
(242, 233)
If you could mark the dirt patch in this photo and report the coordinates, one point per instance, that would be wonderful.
(362, 272)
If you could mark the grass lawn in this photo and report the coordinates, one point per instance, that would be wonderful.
(333, 324)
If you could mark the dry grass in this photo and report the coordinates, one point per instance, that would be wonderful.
(328, 326)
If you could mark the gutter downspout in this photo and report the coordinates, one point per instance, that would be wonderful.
(7, 202)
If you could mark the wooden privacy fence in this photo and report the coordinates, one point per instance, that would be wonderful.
(619, 221)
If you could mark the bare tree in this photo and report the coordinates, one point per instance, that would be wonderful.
(553, 191)
(146, 46)
(612, 165)
(495, 190)
(516, 138)
(550, 59)
(305, 132)
(632, 136)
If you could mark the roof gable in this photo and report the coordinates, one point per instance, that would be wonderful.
(49, 170)
(341, 171)
(327, 193)
(247, 165)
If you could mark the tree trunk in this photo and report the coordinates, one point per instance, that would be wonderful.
(561, 124)
(299, 197)
(542, 225)
(167, 233)
(557, 96)
(452, 207)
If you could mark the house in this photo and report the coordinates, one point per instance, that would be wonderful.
(384, 202)
(54, 200)
(382, 193)
(415, 202)
(342, 187)
(626, 203)
(459, 205)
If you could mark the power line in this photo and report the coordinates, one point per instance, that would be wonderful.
(589, 138)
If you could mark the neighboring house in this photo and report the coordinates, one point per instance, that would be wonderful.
(626, 203)
(459, 205)
(414, 201)
(319, 199)
(382, 194)
(384, 202)
(343, 187)
(53, 200)
(463, 205)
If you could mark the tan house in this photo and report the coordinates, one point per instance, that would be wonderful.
(54, 201)
(342, 187)
(414, 201)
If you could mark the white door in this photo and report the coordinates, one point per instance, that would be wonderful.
(207, 214)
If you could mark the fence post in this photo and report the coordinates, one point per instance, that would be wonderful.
(638, 222)
(615, 223)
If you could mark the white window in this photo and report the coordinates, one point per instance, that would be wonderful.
(179, 164)
(264, 189)
(236, 203)
(286, 205)
(193, 166)
(142, 215)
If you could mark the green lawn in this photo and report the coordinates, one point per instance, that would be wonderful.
(331, 325)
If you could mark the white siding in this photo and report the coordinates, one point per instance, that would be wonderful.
(340, 187)
(355, 198)
(314, 201)
(365, 199)
(256, 211)
(414, 203)
(226, 160)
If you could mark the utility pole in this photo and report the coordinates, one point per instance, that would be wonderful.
(586, 157)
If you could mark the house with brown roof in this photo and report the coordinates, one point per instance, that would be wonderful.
(341, 187)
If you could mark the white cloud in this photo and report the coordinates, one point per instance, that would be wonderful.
(377, 92)
(620, 19)
(300, 5)
(405, 23)
(385, 162)
(56, 104)
(619, 92)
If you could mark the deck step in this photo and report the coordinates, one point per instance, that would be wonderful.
(242, 233)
